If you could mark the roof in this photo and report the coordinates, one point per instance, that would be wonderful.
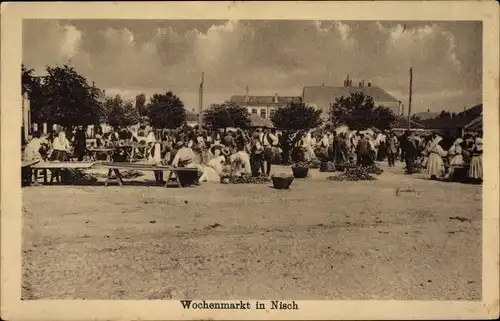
(257, 121)
(263, 100)
(473, 112)
(402, 122)
(426, 115)
(323, 96)
(475, 125)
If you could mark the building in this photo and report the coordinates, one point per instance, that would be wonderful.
(263, 106)
(322, 97)
(424, 115)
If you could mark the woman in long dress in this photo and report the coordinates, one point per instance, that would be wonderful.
(435, 164)
(240, 161)
(212, 170)
(455, 156)
(476, 163)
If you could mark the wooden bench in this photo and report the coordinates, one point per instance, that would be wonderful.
(56, 167)
(183, 177)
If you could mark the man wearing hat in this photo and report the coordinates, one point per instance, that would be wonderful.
(184, 156)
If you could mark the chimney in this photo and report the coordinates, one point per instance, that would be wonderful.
(362, 83)
(369, 83)
(350, 83)
(246, 94)
(276, 100)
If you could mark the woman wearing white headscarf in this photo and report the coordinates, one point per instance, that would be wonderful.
(435, 164)
(456, 157)
(476, 163)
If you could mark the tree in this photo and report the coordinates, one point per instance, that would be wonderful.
(140, 104)
(226, 115)
(166, 111)
(120, 113)
(296, 116)
(67, 99)
(32, 86)
(358, 111)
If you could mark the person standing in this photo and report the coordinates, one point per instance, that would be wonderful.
(409, 150)
(435, 164)
(338, 150)
(80, 143)
(391, 148)
(268, 142)
(257, 158)
(363, 151)
(476, 164)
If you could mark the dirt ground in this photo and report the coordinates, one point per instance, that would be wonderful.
(319, 240)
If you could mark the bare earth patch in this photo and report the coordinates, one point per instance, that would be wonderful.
(319, 240)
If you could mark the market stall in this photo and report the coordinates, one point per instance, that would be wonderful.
(181, 176)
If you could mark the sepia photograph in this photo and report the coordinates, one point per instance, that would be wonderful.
(250, 163)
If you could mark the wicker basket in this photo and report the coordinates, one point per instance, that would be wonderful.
(300, 172)
(282, 182)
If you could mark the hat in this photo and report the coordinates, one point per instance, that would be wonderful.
(179, 144)
(216, 146)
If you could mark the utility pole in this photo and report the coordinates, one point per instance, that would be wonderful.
(409, 99)
(200, 102)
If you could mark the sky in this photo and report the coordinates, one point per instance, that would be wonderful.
(129, 57)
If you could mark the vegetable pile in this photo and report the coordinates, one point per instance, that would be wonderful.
(358, 173)
(244, 179)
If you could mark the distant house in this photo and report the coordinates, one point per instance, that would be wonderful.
(425, 115)
(322, 97)
(263, 106)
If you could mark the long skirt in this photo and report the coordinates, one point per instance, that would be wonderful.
(476, 167)
(455, 162)
(435, 165)
(382, 152)
(209, 175)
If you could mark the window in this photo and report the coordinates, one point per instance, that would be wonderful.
(271, 112)
(254, 110)
(263, 113)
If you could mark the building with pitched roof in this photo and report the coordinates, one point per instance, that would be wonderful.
(263, 106)
(322, 97)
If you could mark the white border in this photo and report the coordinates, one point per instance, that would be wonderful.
(12, 308)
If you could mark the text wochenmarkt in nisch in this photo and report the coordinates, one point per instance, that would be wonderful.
(239, 305)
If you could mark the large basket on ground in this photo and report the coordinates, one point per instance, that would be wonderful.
(282, 181)
(300, 172)
(188, 176)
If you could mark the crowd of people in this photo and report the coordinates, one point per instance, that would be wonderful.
(253, 152)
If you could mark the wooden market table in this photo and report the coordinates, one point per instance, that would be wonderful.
(182, 176)
(55, 167)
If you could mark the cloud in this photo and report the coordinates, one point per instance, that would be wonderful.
(281, 56)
